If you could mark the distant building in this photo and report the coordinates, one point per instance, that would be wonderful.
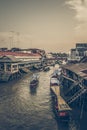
(78, 53)
(22, 56)
(50, 58)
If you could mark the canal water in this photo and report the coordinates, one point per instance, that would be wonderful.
(23, 109)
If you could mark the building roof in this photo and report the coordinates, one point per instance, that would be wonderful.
(80, 69)
(8, 58)
(19, 54)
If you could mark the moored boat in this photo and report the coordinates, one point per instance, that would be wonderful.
(54, 81)
(60, 107)
(46, 69)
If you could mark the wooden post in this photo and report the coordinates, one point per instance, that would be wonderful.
(5, 67)
(11, 68)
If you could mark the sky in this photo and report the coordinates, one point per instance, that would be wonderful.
(52, 25)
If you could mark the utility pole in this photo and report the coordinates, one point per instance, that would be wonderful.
(18, 41)
(11, 38)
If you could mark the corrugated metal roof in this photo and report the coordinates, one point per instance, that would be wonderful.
(79, 69)
(8, 58)
(19, 54)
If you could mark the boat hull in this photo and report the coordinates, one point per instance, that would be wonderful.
(34, 84)
(64, 115)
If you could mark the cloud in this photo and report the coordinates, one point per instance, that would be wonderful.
(80, 8)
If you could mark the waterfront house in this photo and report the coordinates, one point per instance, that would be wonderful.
(8, 67)
(74, 83)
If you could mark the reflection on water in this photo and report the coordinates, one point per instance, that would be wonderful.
(22, 108)
(33, 91)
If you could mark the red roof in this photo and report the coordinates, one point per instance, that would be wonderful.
(18, 54)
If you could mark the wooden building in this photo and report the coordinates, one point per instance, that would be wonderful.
(8, 67)
(74, 83)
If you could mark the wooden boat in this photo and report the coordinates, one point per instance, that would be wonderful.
(60, 107)
(34, 81)
(46, 69)
(54, 81)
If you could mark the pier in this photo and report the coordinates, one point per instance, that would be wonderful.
(11, 67)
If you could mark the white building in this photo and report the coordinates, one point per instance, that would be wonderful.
(78, 53)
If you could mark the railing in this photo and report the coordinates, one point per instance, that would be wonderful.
(65, 76)
(74, 85)
(76, 95)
